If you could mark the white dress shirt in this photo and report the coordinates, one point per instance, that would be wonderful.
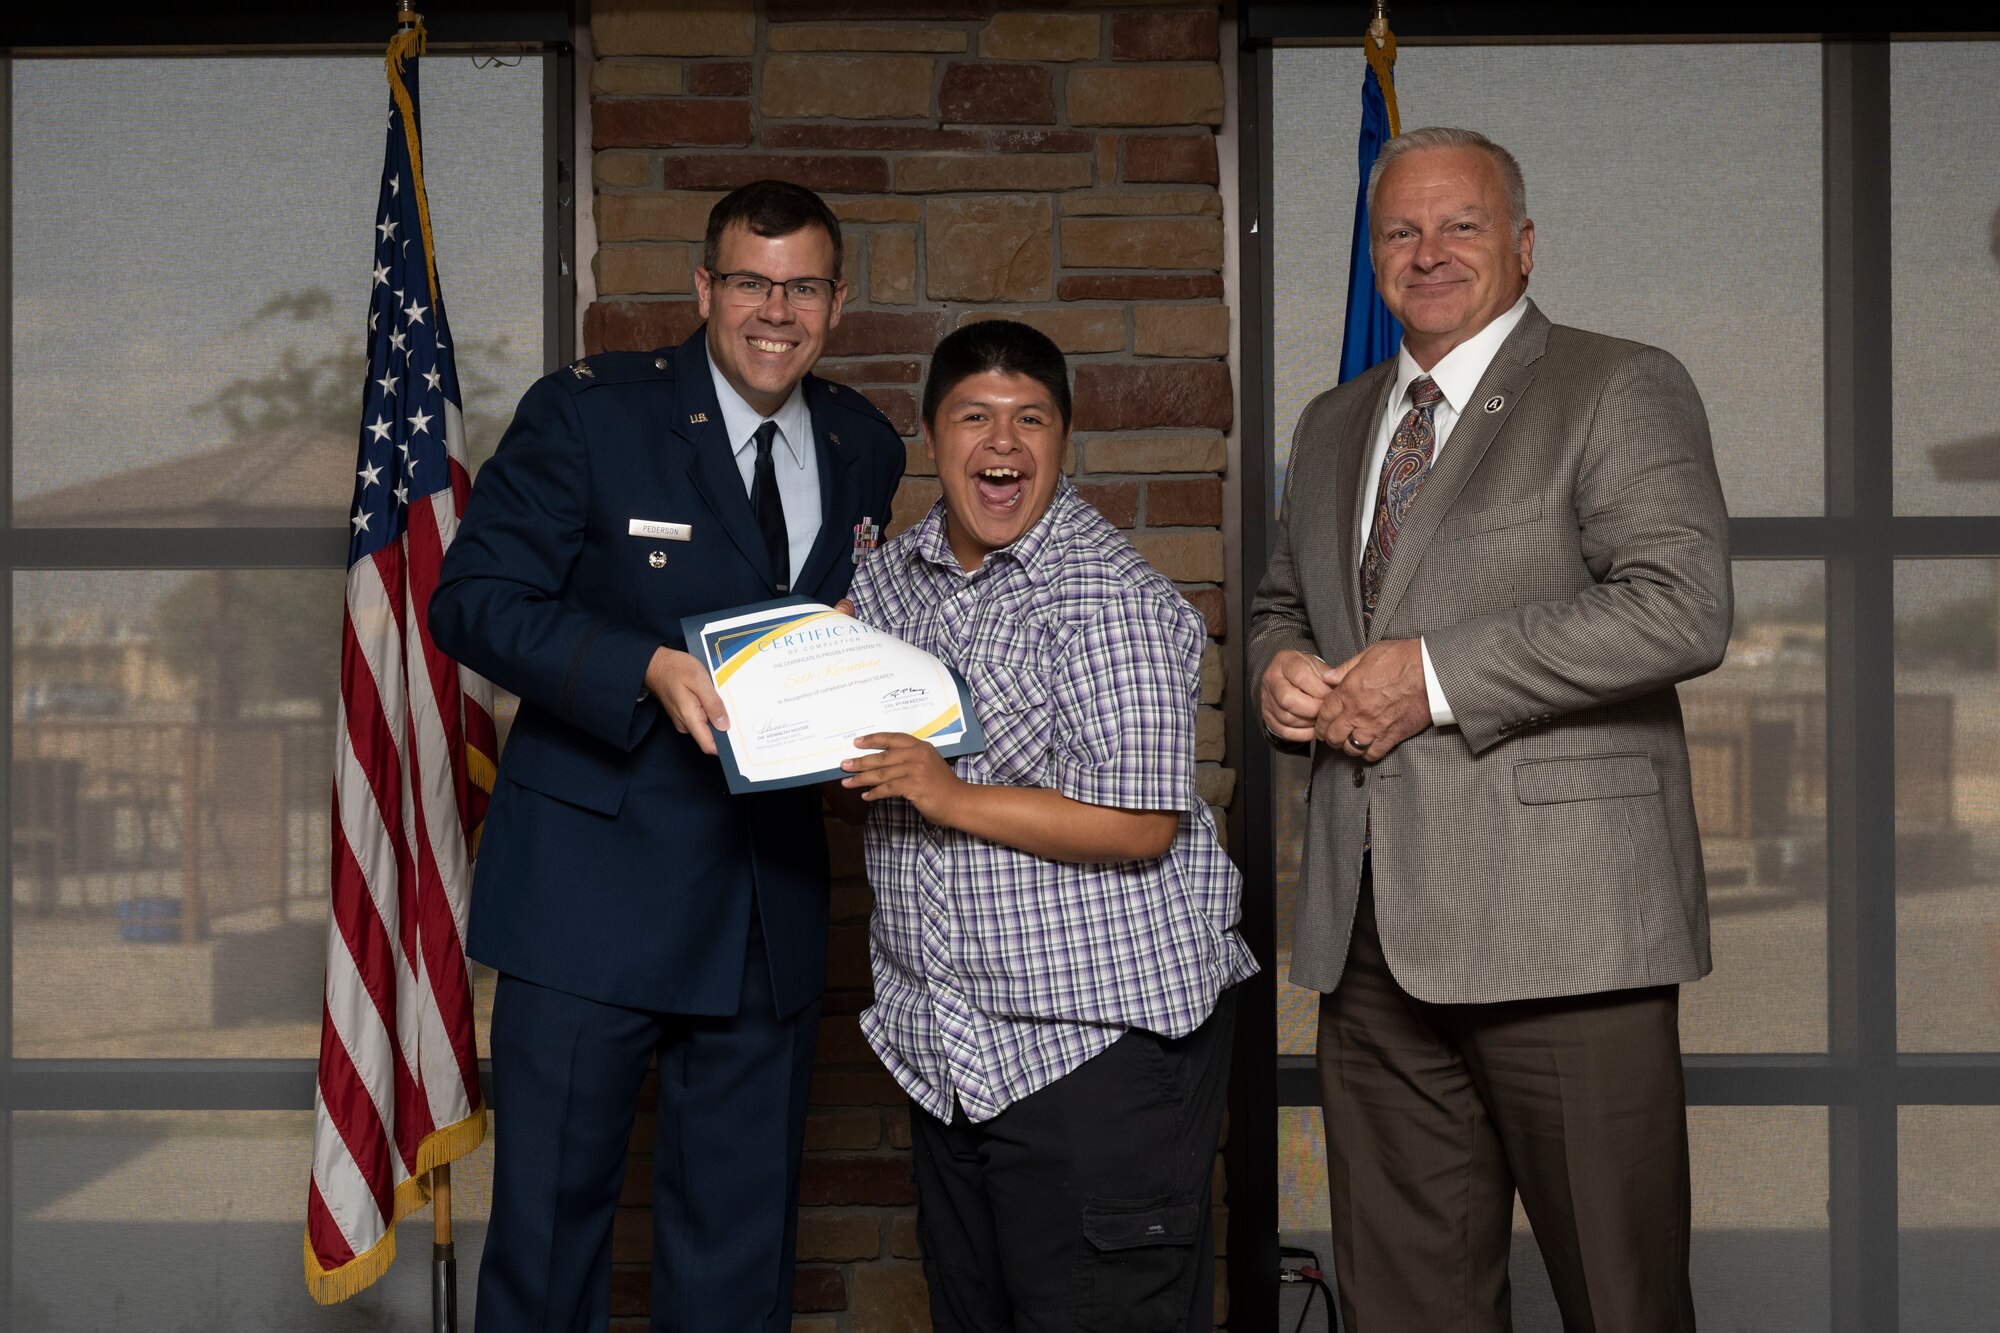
(1456, 374)
(793, 457)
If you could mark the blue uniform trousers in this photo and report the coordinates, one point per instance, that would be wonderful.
(731, 1119)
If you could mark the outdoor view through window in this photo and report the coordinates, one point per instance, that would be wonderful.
(191, 268)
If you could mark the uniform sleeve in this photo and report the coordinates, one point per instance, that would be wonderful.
(500, 606)
(1124, 707)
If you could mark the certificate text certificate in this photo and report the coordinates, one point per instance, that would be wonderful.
(800, 681)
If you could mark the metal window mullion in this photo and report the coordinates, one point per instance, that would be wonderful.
(7, 713)
(221, 1084)
(1861, 689)
(175, 548)
(1252, 1146)
(560, 182)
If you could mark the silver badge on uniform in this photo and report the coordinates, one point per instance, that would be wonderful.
(658, 560)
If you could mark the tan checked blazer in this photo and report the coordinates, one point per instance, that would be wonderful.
(1566, 562)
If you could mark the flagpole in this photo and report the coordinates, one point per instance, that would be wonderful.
(444, 1261)
(444, 1254)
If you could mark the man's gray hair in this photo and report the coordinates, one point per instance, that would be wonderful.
(1440, 136)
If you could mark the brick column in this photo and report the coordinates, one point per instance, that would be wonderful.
(1057, 168)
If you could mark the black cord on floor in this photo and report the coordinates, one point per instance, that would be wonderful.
(1310, 1273)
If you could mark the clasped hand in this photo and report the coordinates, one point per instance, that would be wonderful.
(1365, 707)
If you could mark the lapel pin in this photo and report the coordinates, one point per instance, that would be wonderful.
(831, 436)
(658, 560)
(583, 371)
(1495, 403)
(697, 418)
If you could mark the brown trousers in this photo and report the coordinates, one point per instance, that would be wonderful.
(1437, 1113)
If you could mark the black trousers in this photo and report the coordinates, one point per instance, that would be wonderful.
(1084, 1207)
(1437, 1113)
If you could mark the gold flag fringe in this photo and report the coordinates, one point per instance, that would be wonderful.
(410, 42)
(331, 1285)
(1383, 58)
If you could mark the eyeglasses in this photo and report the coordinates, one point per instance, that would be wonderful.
(754, 288)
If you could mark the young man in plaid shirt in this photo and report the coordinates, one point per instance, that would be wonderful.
(1054, 936)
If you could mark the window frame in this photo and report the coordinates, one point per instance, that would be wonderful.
(1862, 1079)
(507, 28)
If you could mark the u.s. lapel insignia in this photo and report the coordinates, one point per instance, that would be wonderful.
(583, 371)
(658, 560)
(1495, 403)
(697, 418)
(867, 534)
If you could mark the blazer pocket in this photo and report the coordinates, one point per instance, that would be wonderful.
(1584, 778)
(1476, 521)
(546, 765)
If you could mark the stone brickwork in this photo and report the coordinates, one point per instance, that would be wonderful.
(1051, 163)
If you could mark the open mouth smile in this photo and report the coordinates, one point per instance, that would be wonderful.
(999, 488)
(769, 345)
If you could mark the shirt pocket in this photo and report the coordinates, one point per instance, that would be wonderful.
(1012, 703)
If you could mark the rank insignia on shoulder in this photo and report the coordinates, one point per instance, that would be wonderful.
(697, 418)
(867, 535)
(582, 371)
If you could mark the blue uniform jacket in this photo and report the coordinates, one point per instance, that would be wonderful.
(615, 864)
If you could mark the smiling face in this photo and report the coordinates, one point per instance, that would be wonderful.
(998, 440)
(764, 350)
(1446, 261)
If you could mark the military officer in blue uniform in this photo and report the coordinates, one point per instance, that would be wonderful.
(631, 905)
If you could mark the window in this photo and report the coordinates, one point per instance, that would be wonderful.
(189, 281)
(1812, 228)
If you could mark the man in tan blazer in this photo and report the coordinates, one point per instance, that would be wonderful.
(1499, 551)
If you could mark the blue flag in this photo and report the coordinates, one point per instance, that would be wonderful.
(1372, 333)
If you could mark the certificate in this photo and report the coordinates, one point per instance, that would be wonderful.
(800, 681)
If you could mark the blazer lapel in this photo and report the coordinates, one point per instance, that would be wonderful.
(1505, 380)
(839, 488)
(712, 461)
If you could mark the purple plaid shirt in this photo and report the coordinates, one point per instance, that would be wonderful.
(996, 971)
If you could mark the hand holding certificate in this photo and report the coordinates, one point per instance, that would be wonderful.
(800, 681)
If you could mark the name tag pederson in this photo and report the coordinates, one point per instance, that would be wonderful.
(650, 527)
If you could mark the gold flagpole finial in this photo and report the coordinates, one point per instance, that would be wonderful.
(1378, 27)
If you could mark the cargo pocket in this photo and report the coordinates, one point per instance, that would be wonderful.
(1139, 1264)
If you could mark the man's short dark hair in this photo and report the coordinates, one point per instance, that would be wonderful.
(770, 208)
(998, 345)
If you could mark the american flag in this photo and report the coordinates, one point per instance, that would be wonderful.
(398, 1089)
